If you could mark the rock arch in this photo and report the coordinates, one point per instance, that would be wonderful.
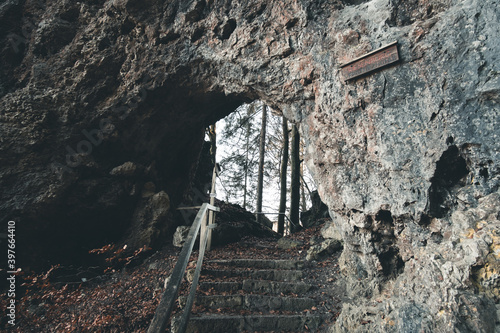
(149, 75)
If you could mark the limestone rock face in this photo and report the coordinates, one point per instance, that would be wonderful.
(316, 214)
(180, 235)
(323, 249)
(406, 159)
(148, 221)
(330, 231)
(127, 169)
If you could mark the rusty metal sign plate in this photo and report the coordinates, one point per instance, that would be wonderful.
(370, 62)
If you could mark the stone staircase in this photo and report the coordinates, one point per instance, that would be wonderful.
(250, 295)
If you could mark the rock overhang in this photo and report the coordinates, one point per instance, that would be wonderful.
(160, 72)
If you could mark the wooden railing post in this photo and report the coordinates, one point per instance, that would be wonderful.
(211, 212)
(203, 230)
(196, 277)
(167, 302)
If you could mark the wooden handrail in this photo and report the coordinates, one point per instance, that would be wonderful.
(190, 207)
(192, 292)
(164, 309)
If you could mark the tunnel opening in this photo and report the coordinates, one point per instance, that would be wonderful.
(238, 150)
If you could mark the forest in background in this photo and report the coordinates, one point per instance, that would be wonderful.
(238, 155)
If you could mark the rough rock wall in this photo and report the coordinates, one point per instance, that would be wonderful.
(103, 105)
(407, 161)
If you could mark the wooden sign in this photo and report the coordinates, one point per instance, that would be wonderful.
(370, 62)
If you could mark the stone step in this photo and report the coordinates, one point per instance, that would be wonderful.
(270, 274)
(261, 264)
(261, 303)
(257, 286)
(274, 287)
(221, 287)
(254, 288)
(252, 323)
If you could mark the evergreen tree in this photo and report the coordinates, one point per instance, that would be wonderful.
(239, 165)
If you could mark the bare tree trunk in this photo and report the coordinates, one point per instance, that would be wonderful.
(213, 151)
(247, 146)
(283, 174)
(302, 182)
(305, 184)
(262, 151)
(295, 193)
(213, 147)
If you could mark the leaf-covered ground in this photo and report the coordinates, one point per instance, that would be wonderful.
(123, 296)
